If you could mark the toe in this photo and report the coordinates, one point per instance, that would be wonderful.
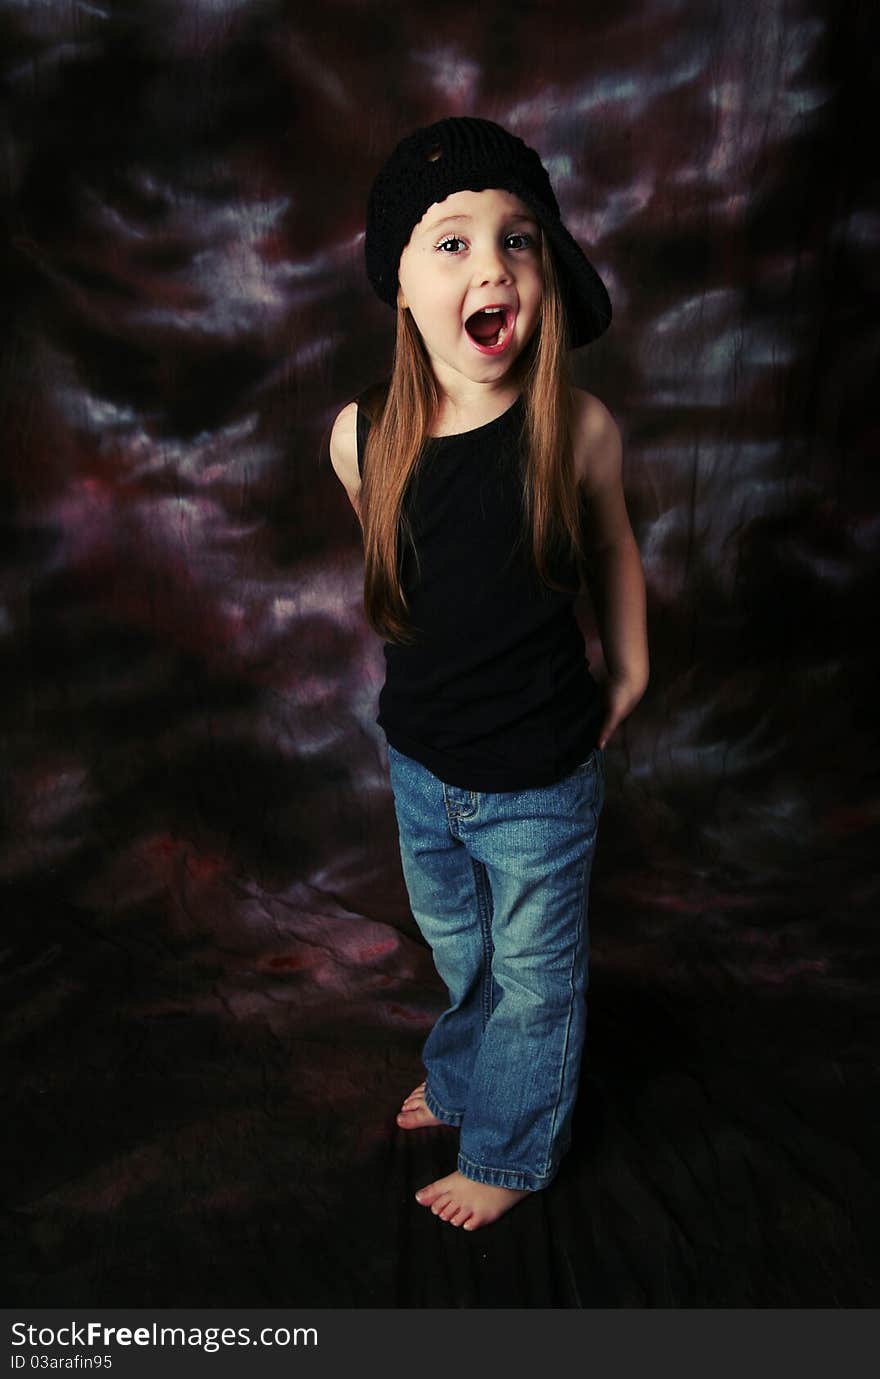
(415, 1098)
(476, 1220)
(415, 1118)
(426, 1195)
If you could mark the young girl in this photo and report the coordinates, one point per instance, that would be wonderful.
(485, 483)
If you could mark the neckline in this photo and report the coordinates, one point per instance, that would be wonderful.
(475, 430)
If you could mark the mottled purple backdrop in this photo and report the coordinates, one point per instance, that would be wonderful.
(215, 992)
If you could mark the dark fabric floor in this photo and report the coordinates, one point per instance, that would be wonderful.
(201, 1088)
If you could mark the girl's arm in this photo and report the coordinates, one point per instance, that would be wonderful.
(616, 579)
(343, 454)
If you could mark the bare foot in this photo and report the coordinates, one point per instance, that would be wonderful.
(414, 1113)
(462, 1202)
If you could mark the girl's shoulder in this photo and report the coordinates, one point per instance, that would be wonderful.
(349, 432)
(596, 441)
(343, 448)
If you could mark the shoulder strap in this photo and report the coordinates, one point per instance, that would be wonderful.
(363, 427)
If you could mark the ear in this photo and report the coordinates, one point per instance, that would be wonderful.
(401, 300)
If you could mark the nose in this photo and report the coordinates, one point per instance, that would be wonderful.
(490, 266)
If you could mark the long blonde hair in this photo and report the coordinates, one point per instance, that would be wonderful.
(402, 410)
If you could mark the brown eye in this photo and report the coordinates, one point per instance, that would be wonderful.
(433, 154)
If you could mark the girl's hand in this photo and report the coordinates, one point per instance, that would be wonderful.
(621, 694)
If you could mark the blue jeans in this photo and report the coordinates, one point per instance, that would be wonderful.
(498, 883)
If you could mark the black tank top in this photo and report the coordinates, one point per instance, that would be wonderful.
(496, 692)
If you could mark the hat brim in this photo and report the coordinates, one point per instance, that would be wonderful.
(587, 304)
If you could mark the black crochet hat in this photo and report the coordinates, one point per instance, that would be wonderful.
(463, 153)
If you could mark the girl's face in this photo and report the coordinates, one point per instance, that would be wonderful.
(472, 251)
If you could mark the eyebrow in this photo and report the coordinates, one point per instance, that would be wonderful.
(457, 219)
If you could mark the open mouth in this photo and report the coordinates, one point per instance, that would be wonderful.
(490, 328)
